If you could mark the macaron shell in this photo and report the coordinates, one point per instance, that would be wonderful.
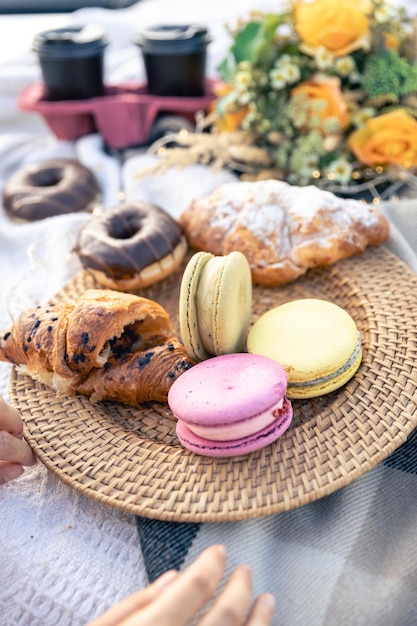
(227, 388)
(237, 447)
(313, 391)
(232, 304)
(205, 301)
(187, 306)
(310, 338)
(224, 303)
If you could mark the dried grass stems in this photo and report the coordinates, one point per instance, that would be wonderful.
(230, 150)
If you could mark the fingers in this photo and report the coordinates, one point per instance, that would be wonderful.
(133, 603)
(15, 450)
(262, 611)
(232, 605)
(189, 593)
(175, 599)
(9, 471)
(10, 419)
(12, 446)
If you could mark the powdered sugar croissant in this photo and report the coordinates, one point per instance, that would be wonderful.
(283, 230)
(107, 345)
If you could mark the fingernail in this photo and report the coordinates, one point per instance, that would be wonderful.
(221, 550)
(11, 472)
(268, 600)
(165, 578)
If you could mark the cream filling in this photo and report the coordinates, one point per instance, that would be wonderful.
(103, 357)
(237, 430)
(59, 384)
(324, 379)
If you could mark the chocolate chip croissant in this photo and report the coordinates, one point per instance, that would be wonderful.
(283, 230)
(107, 345)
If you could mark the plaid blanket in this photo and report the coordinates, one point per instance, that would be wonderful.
(348, 559)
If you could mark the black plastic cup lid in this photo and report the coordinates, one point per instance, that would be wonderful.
(173, 39)
(72, 41)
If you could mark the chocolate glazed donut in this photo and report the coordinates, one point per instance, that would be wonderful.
(131, 246)
(50, 188)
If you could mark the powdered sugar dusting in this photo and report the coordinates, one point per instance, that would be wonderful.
(283, 229)
(262, 206)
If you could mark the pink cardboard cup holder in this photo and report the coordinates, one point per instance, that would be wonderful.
(124, 115)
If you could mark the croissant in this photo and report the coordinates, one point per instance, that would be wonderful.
(107, 345)
(283, 230)
(138, 376)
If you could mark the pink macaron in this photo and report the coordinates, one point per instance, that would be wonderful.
(231, 404)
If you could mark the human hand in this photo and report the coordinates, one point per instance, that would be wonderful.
(174, 599)
(14, 451)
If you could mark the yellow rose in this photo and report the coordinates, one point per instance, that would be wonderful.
(327, 91)
(339, 26)
(389, 138)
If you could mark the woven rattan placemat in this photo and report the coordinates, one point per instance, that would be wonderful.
(131, 459)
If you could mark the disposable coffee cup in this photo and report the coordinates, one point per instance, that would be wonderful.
(175, 59)
(71, 61)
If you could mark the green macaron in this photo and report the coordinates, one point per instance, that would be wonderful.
(215, 304)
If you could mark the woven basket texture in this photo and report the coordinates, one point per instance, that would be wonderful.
(131, 459)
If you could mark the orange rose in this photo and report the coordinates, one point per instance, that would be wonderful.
(389, 138)
(391, 42)
(327, 91)
(230, 119)
(339, 26)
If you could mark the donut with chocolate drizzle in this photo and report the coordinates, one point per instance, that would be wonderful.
(50, 188)
(131, 246)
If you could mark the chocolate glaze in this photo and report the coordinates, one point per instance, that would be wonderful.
(127, 238)
(50, 188)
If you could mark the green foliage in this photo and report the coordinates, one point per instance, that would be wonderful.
(327, 158)
(252, 43)
(306, 131)
(389, 75)
(226, 70)
(223, 103)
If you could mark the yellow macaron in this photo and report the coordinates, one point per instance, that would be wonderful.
(316, 341)
(215, 304)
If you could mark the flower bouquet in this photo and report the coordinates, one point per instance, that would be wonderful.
(324, 93)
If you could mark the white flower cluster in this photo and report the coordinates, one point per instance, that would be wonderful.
(285, 72)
